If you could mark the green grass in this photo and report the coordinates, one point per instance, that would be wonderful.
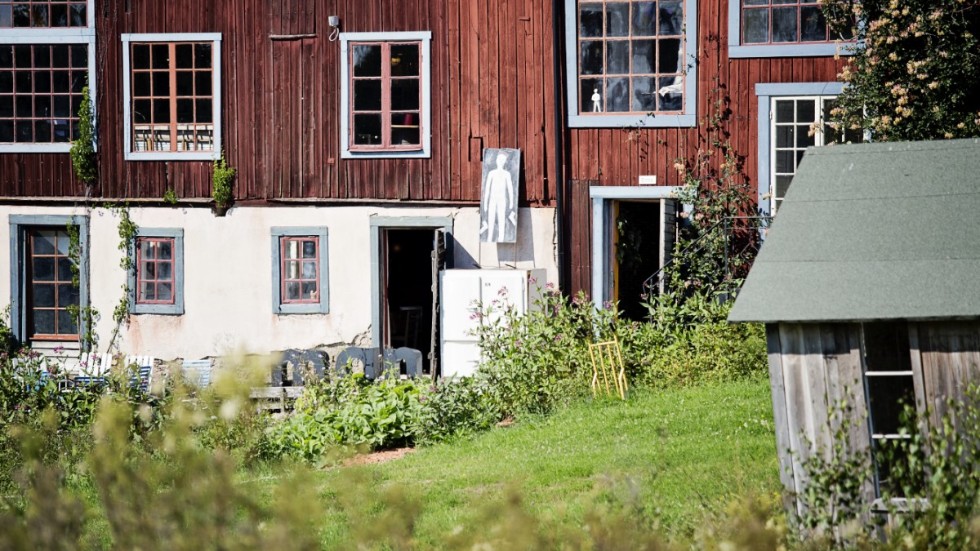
(679, 455)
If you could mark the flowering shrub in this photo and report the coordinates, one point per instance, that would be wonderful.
(916, 76)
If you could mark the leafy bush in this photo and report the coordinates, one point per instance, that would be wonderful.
(455, 408)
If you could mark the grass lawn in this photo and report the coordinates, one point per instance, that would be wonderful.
(680, 455)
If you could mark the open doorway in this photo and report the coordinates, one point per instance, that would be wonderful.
(410, 254)
(636, 238)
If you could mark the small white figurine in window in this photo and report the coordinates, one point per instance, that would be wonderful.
(596, 101)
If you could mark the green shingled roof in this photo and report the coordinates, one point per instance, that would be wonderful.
(873, 231)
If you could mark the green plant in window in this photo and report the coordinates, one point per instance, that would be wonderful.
(83, 149)
(222, 177)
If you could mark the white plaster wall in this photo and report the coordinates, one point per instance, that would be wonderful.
(228, 273)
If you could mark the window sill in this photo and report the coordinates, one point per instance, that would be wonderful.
(173, 156)
(35, 147)
(302, 309)
(823, 49)
(393, 154)
(157, 309)
(607, 120)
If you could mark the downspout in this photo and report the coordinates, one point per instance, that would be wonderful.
(556, 22)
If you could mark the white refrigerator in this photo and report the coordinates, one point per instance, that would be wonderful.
(462, 291)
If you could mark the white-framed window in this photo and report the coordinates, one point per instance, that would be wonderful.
(782, 28)
(793, 117)
(300, 270)
(156, 281)
(172, 96)
(631, 63)
(385, 95)
(47, 52)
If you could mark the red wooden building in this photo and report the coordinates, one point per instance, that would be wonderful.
(357, 130)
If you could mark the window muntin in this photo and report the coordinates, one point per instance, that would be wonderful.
(43, 14)
(799, 123)
(41, 91)
(630, 56)
(52, 289)
(385, 95)
(172, 96)
(156, 273)
(299, 276)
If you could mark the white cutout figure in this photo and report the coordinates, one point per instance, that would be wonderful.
(498, 196)
(596, 101)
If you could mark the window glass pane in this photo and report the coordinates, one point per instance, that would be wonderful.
(591, 58)
(618, 94)
(644, 52)
(148, 249)
(44, 322)
(806, 111)
(367, 129)
(79, 56)
(161, 84)
(39, 16)
(590, 20)
(784, 111)
(141, 84)
(42, 56)
(644, 94)
(309, 269)
(755, 26)
(202, 81)
(617, 19)
(42, 131)
(887, 397)
(405, 129)
(785, 161)
(185, 83)
(204, 110)
(591, 91)
(6, 56)
(804, 136)
(165, 270)
(141, 56)
(6, 16)
(161, 110)
(6, 82)
(44, 242)
(185, 110)
(617, 57)
(782, 185)
(367, 60)
(203, 56)
(309, 290)
(160, 57)
(644, 20)
(42, 295)
(22, 15)
(147, 291)
(784, 24)
(814, 26)
(165, 249)
(67, 323)
(292, 290)
(165, 292)
(78, 15)
(6, 107)
(405, 94)
(669, 57)
(671, 93)
(67, 295)
(405, 60)
(309, 249)
(671, 17)
(65, 272)
(367, 95)
(784, 136)
(184, 54)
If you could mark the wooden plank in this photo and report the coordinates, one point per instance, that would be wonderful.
(780, 416)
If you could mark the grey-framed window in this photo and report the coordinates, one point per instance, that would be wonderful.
(631, 63)
(300, 273)
(783, 28)
(172, 96)
(156, 282)
(793, 117)
(385, 95)
(47, 52)
(48, 282)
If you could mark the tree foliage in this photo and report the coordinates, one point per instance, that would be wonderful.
(916, 70)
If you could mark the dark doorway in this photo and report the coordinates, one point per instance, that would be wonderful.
(407, 295)
(636, 246)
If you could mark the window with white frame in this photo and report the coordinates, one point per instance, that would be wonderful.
(299, 265)
(46, 56)
(792, 117)
(172, 87)
(156, 281)
(781, 28)
(632, 62)
(385, 94)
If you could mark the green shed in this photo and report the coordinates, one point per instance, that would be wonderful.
(869, 286)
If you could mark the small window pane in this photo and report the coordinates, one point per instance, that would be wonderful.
(590, 21)
(644, 52)
(309, 270)
(806, 111)
(405, 60)
(67, 295)
(367, 129)
(309, 290)
(203, 56)
(161, 111)
(367, 95)
(160, 57)
(141, 85)
(405, 94)
(755, 26)
(165, 249)
(617, 57)
(671, 17)
(782, 185)
(292, 290)
(67, 323)
(644, 94)
(148, 291)
(185, 56)
(644, 21)
(591, 58)
(405, 134)
(42, 295)
(309, 249)
(44, 322)
(804, 136)
(784, 136)
(44, 242)
(165, 292)
(141, 56)
(784, 111)
(888, 396)
(78, 17)
(617, 19)
(785, 162)
(618, 94)
(165, 271)
(202, 81)
(204, 110)
(185, 83)
(784, 24)
(591, 91)
(185, 110)
(367, 60)
(669, 58)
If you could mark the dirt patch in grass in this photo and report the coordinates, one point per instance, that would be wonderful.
(377, 457)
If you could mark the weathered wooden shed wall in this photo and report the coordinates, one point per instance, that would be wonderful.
(813, 366)
(492, 86)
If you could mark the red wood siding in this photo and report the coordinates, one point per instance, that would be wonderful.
(492, 86)
(617, 156)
